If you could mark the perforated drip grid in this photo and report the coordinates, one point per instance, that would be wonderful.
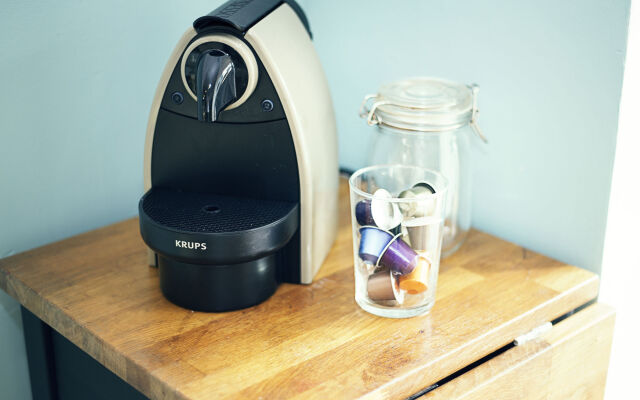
(204, 212)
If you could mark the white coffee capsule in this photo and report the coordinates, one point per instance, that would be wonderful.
(385, 214)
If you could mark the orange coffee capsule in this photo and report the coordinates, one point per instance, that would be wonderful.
(416, 281)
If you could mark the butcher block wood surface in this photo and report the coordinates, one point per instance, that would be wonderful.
(305, 342)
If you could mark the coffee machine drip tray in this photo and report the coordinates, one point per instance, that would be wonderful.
(216, 252)
(217, 229)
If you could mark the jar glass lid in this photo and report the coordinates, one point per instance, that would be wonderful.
(422, 104)
(428, 94)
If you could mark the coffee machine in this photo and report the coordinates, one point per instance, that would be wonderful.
(240, 160)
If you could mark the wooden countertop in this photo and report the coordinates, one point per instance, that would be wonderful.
(308, 342)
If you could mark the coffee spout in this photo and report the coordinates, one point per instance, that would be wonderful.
(215, 84)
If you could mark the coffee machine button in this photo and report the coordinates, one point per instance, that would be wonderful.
(177, 97)
(267, 105)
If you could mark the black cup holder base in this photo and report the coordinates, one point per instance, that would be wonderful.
(217, 288)
(216, 253)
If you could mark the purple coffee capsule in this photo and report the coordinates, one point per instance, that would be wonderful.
(363, 213)
(373, 241)
(399, 257)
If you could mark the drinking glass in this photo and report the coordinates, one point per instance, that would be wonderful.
(397, 214)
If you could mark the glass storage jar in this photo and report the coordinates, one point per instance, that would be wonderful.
(428, 122)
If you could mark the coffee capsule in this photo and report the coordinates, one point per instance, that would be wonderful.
(373, 241)
(423, 232)
(417, 281)
(382, 285)
(423, 205)
(423, 187)
(397, 230)
(399, 257)
(385, 214)
(408, 208)
(363, 213)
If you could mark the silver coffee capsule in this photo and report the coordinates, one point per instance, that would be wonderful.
(423, 187)
(408, 208)
(423, 206)
(423, 232)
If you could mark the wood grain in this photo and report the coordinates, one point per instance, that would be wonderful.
(307, 342)
(568, 362)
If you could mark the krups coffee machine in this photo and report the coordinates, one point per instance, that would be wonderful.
(240, 164)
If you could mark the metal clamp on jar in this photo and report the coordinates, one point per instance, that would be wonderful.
(427, 122)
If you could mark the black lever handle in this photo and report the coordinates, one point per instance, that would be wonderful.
(215, 84)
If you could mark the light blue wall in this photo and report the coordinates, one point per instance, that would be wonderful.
(550, 74)
(78, 80)
(77, 83)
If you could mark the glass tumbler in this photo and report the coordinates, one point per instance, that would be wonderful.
(397, 214)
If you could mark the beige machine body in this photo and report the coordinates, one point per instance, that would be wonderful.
(285, 49)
